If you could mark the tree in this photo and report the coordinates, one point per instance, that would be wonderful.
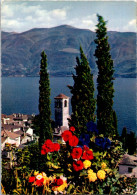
(131, 143)
(123, 139)
(44, 102)
(105, 113)
(82, 101)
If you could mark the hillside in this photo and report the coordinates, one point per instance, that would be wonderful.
(21, 51)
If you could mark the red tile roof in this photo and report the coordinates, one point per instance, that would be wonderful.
(61, 96)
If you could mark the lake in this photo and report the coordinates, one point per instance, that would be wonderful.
(21, 95)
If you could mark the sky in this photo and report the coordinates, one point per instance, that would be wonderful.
(20, 15)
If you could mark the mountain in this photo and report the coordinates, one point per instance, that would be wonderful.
(21, 51)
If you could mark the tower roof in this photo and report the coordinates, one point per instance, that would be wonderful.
(61, 96)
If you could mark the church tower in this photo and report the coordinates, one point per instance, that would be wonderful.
(61, 110)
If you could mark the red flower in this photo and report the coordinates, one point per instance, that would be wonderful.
(78, 165)
(88, 155)
(66, 135)
(58, 182)
(48, 146)
(85, 148)
(39, 182)
(56, 147)
(72, 128)
(32, 179)
(73, 141)
(76, 153)
(43, 152)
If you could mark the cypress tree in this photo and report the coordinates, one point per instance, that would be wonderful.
(82, 101)
(105, 113)
(123, 138)
(44, 102)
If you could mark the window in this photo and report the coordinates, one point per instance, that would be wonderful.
(65, 103)
(130, 169)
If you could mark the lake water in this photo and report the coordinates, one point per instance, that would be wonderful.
(20, 95)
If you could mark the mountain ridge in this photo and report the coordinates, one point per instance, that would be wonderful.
(21, 51)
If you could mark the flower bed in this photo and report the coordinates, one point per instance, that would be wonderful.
(85, 165)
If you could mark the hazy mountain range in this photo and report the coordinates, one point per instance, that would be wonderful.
(21, 51)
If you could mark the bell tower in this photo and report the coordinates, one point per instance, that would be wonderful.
(61, 110)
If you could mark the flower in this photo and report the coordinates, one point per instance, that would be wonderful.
(36, 173)
(39, 182)
(78, 165)
(92, 176)
(88, 155)
(104, 143)
(66, 135)
(39, 177)
(107, 142)
(101, 174)
(49, 146)
(31, 179)
(72, 128)
(86, 164)
(56, 147)
(76, 153)
(62, 187)
(103, 165)
(85, 148)
(84, 139)
(58, 182)
(92, 127)
(73, 141)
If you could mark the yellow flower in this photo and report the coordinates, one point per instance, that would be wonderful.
(103, 165)
(36, 173)
(62, 187)
(90, 171)
(92, 176)
(86, 164)
(101, 174)
(46, 180)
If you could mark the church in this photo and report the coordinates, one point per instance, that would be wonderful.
(61, 116)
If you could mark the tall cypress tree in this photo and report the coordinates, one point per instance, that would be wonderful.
(105, 113)
(82, 101)
(44, 102)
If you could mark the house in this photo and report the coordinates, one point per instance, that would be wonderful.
(128, 166)
(9, 137)
(16, 129)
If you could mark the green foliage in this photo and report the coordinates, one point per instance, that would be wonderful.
(105, 117)
(35, 125)
(83, 102)
(128, 141)
(44, 102)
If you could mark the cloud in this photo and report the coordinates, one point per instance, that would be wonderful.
(22, 16)
(85, 22)
(131, 26)
(58, 13)
(27, 16)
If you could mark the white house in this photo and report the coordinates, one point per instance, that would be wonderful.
(128, 166)
(9, 137)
